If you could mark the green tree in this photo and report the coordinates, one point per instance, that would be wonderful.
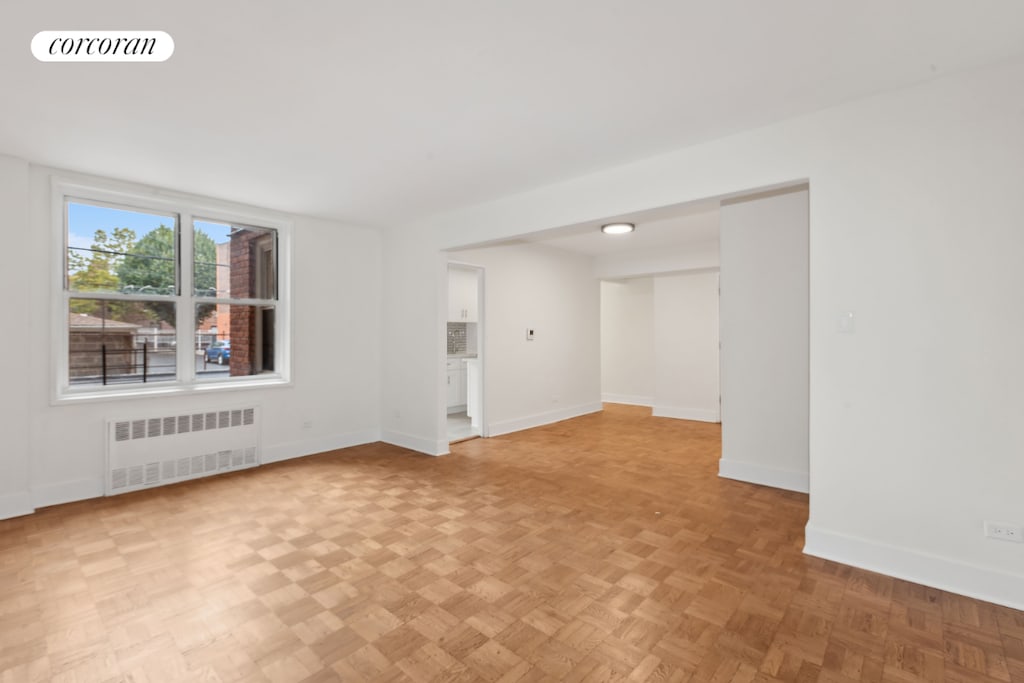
(106, 253)
(96, 272)
(94, 277)
(149, 268)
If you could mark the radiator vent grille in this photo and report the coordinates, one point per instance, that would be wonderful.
(153, 427)
(149, 452)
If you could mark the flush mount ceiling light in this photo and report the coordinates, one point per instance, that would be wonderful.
(617, 228)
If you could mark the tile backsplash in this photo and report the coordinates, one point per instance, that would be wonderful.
(456, 338)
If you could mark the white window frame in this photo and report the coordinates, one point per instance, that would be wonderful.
(187, 209)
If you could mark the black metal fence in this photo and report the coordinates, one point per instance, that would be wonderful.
(124, 360)
(138, 358)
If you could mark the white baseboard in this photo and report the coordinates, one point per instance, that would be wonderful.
(936, 571)
(681, 413)
(82, 489)
(519, 424)
(790, 480)
(298, 449)
(415, 443)
(67, 492)
(628, 400)
(16, 504)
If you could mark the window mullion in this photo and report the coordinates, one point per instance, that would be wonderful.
(116, 296)
(186, 306)
(213, 254)
(235, 302)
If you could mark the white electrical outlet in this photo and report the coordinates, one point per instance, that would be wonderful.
(1004, 532)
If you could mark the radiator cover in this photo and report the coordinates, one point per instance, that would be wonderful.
(148, 452)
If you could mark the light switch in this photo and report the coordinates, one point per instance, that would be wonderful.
(529, 334)
(846, 323)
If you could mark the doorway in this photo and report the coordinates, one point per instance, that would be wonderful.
(659, 343)
(464, 353)
(724, 338)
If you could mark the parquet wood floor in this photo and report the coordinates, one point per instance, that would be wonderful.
(603, 548)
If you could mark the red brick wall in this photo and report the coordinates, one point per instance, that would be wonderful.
(243, 318)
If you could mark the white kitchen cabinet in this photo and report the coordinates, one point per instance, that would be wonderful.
(474, 392)
(462, 295)
(456, 385)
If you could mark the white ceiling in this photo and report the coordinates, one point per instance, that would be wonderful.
(658, 229)
(381, 112)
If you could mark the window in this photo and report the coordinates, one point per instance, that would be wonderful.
(159, 296)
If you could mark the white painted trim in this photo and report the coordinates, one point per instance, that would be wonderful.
(936, 571)
(626, 399)
(789, 480)
(443, 294)
(680, 413)
(420, 444)
(331, 442)
(67, 492)
(16, 504)
(83, 489)
(509, 426)
(186, 207)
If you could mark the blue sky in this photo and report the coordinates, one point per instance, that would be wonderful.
(217, 231)
(85, 219)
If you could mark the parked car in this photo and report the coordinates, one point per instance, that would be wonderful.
(219, 351)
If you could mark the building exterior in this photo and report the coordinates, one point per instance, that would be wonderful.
(92, 338)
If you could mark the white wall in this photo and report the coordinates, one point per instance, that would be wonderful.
(699, 255)
(627, 341)
(413, 368)
(336, 358)
(558, 374)
(686, 346)
(765, 402)
(659, 344)
(914, 225)
(16, 341)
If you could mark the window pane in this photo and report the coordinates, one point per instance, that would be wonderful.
(234, 340)
(118, 250)
(235, 261)
(121, 342)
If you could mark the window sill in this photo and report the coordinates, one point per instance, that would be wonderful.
(169, 389)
